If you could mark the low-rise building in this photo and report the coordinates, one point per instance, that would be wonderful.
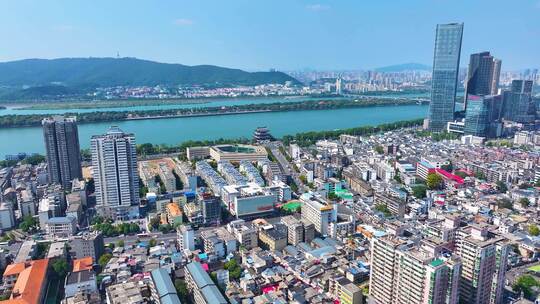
(274, 237)
(80, 281)
(62, 226)
(29, 281)
(124, 293)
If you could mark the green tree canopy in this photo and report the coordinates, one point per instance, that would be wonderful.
(419, 191)
(60, 267)
(501, 186)
(525, 284)
(34, 159)
(434, 181)
(104, 259)
(533, 230)
(29, 224)
(181, 289)
(524, 202)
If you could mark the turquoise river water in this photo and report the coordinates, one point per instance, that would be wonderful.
(177, 130)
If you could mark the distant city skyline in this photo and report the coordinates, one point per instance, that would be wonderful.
(284, 35)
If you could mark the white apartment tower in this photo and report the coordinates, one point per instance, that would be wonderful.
(484, 255)
(114, 162)
(404, 272)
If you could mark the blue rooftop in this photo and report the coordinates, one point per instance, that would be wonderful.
(163, 282)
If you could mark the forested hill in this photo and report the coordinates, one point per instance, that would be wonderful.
(107, 72)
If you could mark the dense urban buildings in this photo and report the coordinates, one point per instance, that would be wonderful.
(440, 213)
(62, 149)
(114, 161)
(445, 75)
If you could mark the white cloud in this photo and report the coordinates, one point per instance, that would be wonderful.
(183, 22)
(317, 7)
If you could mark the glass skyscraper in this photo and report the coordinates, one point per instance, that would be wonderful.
(518, 103)
(445, 75)
(477, 116)
(483, 114)
(483, 74)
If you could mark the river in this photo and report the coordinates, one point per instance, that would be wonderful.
(177, 130)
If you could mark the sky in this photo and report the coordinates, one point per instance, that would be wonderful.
(264, 34)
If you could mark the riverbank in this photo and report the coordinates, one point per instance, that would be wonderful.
(136, 102)
(303, 139)
(33, 120)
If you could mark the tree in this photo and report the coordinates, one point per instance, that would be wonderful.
(152, 242)
(397, 177)
(60, 267)
(235, 271)
(379, 149)
(419, 191)
(537, 184)
(505, 203)
(181, 289)
(165, 228)
(480, 175)
(501, 186)
(524, 202)
(303, 179)
(333, 196)
(434, 181)
(34, 159)
(120, 243)
(384, 209)
(104, 259)
(29, 224)
(525, 284)
(42, 248)
(448, 167)
(534, 230)
(154, 222)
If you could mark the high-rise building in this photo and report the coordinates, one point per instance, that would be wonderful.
(114, 161)
(482, 75)
(402, 272)
(484, 255)
(338, 86)
(62, 148)
(482, 115)
(518, 104)
(496, 76)
(319, 213)
(445, 75)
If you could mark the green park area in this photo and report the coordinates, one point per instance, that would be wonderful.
(291, 206)
(535, 268)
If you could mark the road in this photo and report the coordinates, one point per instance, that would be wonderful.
(286, 166)
(132, 239)
(158, 236)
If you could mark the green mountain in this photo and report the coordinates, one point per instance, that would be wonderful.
(104, 72)
(404, 67)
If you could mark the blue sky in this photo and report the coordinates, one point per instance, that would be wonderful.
(262, 34)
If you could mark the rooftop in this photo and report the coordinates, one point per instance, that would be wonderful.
(83, 264)
(30, 282)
